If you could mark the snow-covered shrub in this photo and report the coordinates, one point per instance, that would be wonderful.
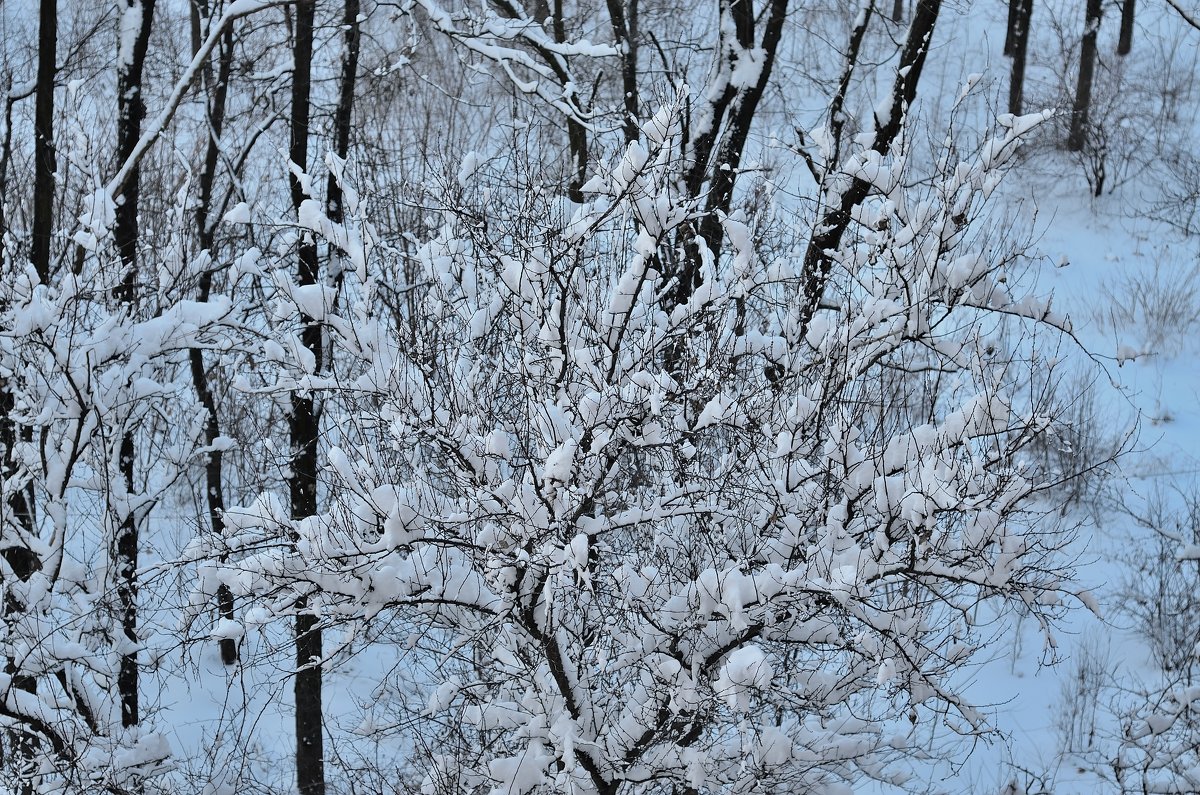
(1160, 591)
(1134, 722)
(643, 547)
(83, 372)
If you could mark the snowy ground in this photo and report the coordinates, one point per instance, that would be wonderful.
(1091, 253)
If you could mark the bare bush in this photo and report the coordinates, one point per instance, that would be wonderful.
(1079, 695)
(1079, 452)
(1159, 305)
(1160, 593)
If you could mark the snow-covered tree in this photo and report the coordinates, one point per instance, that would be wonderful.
(574, 397)
(735, 544)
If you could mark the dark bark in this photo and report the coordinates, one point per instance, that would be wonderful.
(214, 495)
(1010, 30)
(1125, 41)
(837, 115)
(1016, 83)
(22, 744)
(623, 17)
(1188, 17)
(302, 481)
(43, 139)
(832, 225)
(344, 114)
(131, 111)
(1087, 70)
(728, 160)
(20, 504)
(898, 11)
(715, 155)
(219, 91)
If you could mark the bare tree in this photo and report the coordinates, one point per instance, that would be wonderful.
(43, 131)
(724, 120)
(217, 89)
(137, 16)
(1010, 29)
(623, 17)
(832, 225)
(344, 114)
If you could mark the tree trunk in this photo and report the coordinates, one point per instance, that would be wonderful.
(1010, 30)
(716, 154)
(1087, 70)
(214, 493)
(898, 11)
(302, 482)
(1016, 84)
(43, 139)
(577, 134)
(1125, 42)
(344, 114)
(131, 110)
(623, 18)
(19, 505)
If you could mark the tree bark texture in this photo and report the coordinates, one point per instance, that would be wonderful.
(214, 493)
(623, 18)
(43, 141)
(302, 482)
(131, 111)
(1010, 29)
(1087, 71)
(1016, 83)
(344, 114)
(715, 154)
(1125, 40)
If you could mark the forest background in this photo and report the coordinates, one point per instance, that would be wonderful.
(580, 397)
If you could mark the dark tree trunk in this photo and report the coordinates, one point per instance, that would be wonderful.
(19, 506)
(623, 17)
(21, 745)
(214, 492)
(898, 11)
(1016, 83)
(577, 137)
(1125, 41)
(716, 155)
(344, 114)
(43, 139)
(1010, 30)
(302, 482)
(832, 225)
(837, 115)
(729, 153)
(1087, 70)
(131, 110)
(21, 503)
